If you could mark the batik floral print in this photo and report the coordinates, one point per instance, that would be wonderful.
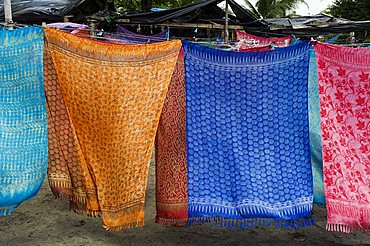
(171, 171)
(114, 96)
(344, 87)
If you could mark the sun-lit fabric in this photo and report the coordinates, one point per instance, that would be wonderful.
(105, 128)
(344, 84)
(23, 118)
(247, 134)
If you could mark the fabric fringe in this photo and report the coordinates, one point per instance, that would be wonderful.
(301, 208)
(171, 222)
(6, 211)
(346, 228)
(72, 198)
(86, 212)
(353, 213)
(347, 209)
(55, 184)
(253, 222)
(131, 225)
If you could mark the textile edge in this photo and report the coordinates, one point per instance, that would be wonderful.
(252, 223)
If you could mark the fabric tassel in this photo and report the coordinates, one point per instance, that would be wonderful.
(252, 223)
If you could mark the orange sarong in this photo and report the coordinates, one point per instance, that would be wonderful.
(104, 103)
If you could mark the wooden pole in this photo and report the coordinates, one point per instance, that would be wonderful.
(8, 13)
(92, 27)
(226, 22)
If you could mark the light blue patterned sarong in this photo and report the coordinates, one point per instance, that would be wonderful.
(23, 118)
(315, 131)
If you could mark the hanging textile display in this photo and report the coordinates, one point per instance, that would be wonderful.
(315, 131)
(171, 174)
(123, 30)
(115, 38)
(71, 27)
(255, 49)
(248, 152)
(67, 25)
(23, 118)
(250, 40)
(139, 38)
(344, 82)
(113, 96)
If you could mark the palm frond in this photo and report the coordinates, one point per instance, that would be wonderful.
(251, 7)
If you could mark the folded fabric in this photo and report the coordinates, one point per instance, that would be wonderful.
(248, 152)
(67, 24)
(255, 49)
(294, 40)
(23, 118)
(123, 30)
(256, 41)
(333, 39)
(139, 38)
(171, 174)
(344, 84)
(315, 131)
(113, 96)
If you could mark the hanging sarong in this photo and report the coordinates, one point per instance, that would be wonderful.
(315, 131)
(171, 181)
(256, 41)
(248, 151)
(123, 30)
(23, 118)
(139, 38)
(115, 38)
(67, 24)
(113, 96)
(255, 49)
(344, 84)
(118, 38)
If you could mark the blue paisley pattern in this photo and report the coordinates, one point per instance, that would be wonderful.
(23, 119)
(248, 149)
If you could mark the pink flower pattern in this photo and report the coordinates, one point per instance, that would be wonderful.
(344, 87)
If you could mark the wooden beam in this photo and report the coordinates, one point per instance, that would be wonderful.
(182, 25)
(226, 22)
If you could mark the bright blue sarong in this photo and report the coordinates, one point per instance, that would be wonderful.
(23, 118)
(248, 149)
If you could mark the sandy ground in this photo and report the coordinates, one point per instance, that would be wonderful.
(47, 221)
